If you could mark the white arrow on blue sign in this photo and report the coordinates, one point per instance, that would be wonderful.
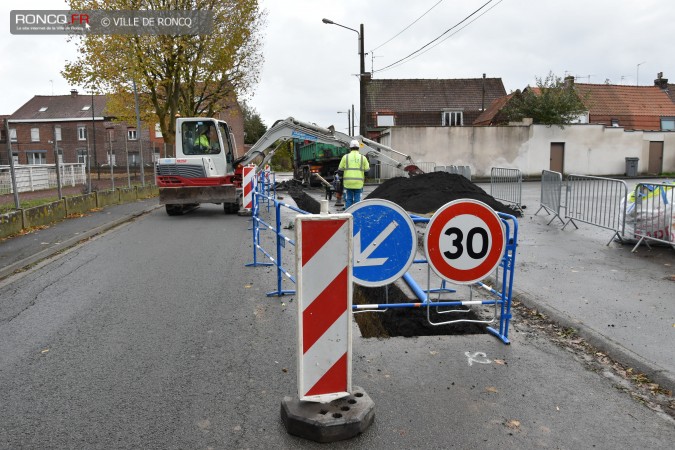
(385, 242)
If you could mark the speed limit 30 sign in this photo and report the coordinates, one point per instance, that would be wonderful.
(464, 241)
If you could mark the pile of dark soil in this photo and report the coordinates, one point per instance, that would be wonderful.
(426, 193)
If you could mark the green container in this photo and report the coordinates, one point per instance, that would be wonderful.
(320, 152)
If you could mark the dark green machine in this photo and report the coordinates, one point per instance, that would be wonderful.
(316, 158)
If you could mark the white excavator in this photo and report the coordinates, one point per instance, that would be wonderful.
(206, 170)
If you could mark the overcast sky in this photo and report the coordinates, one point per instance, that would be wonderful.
(310, 68)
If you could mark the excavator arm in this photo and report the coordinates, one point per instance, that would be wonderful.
(262, 151)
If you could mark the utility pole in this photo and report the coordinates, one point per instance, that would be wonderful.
(93, 138)
(363, 80)
(12, 170)
(57, 165)
(138, 135)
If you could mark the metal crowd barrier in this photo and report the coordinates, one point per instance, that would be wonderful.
(596, 201)
(551, 193)
(501, 298)
(464, 171)
(650, 214)
(507, 185)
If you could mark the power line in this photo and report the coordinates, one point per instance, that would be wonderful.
(446, 38)
(413, 23)
(437, 38)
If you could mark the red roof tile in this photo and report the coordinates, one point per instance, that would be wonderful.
(60, 107)
(610, 99)
(431, 95)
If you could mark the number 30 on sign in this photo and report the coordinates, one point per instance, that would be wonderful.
(464, 241)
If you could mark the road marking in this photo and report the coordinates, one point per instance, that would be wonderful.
(473, 358)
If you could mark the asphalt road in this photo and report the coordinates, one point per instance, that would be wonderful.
(156, 335)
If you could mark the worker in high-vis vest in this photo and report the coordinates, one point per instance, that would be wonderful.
(355, 166)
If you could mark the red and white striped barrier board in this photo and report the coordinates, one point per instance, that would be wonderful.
(324, 288)
(248, 173)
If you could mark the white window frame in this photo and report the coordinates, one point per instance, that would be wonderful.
(35, 135)
(452, 118)
(33, 161)
(82, 156)
(132, 135)
(385, 120)
(12, 134)
(670, 121)
(57, 133)
(82, 133)
(158, 131)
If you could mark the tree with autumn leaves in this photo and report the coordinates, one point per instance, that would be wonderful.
(186, 75)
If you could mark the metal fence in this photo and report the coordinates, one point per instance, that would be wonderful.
(650, 215)
(507, 185)
(597, 201)
(43, 176)
(551, 194)
(386, 172)
(464, 171)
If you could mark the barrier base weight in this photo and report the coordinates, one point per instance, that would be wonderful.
(340, 419)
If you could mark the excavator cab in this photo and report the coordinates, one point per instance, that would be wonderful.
(200, 138)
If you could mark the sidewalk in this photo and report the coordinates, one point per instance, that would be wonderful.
(619, 301)
(21, 251)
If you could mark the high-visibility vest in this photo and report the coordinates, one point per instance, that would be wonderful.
(202, 140)
(355, 165)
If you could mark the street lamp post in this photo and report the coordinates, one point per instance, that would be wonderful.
(637, 75)
(349, 121)
(362, 75)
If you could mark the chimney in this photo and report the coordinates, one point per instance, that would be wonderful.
(73, 93)
(660, 81)
(569, 81)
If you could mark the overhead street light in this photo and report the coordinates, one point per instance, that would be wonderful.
(637, 77)
(349, 121)
(362, 75)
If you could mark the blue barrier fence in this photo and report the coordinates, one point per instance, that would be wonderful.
(430, 298)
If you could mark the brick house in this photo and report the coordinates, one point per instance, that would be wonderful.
(81, 126)
(647, 108)
(420, 102)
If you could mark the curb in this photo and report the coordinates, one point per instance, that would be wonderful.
(616, 351)
(71, 242)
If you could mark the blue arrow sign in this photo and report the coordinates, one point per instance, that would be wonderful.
(385, 242)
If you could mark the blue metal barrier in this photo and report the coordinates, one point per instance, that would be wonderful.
(503, 296)
(264, 193)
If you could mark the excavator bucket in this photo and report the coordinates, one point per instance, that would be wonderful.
(413, 170)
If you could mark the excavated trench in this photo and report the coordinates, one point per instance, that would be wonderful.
(409, 322)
